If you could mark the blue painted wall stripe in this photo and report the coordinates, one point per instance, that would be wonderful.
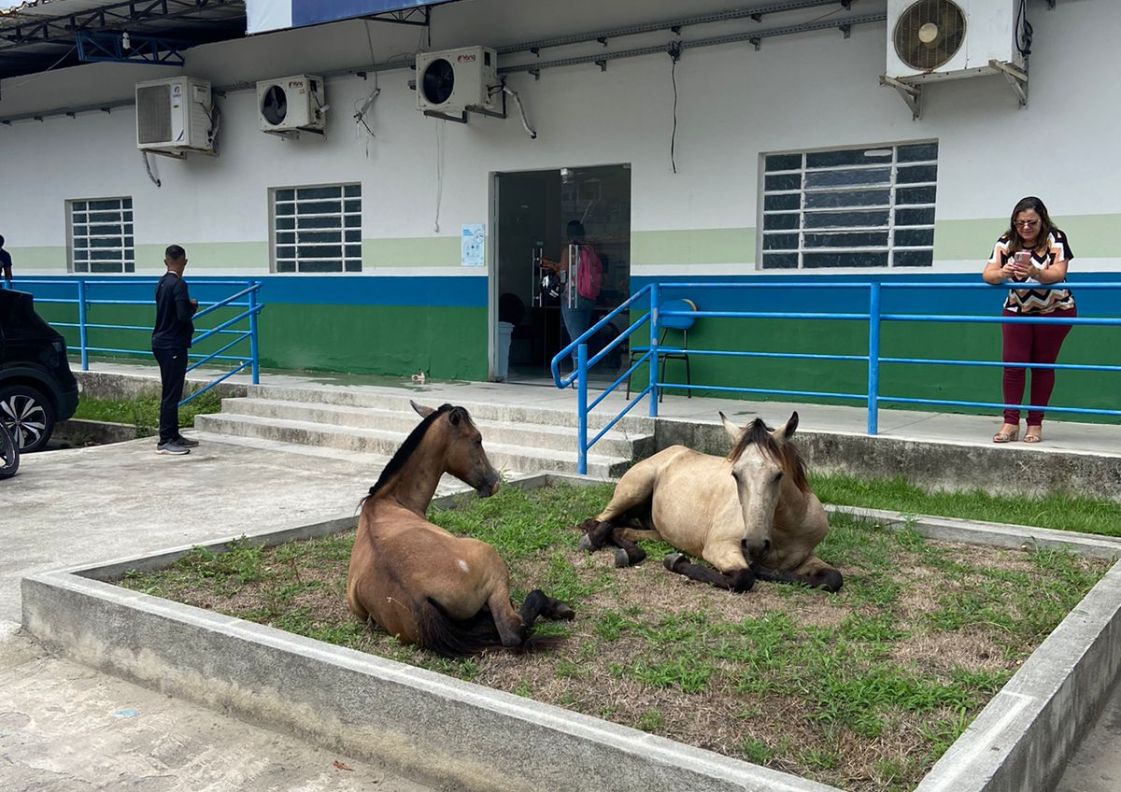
(471, 292)
(934, 300)
(460, 292)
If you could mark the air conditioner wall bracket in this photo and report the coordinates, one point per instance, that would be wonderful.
(911, 94)
(1017, 79)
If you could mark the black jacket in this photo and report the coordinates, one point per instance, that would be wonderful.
(173, 314)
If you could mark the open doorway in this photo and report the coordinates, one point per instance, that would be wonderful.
(537, 213)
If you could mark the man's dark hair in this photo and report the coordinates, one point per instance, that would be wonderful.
(175, 252)
(575, 230)
(1, 241)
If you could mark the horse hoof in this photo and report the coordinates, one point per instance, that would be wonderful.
(828, 579)
(563, 612)
(586, 543)
(672, 560)
(621, 558)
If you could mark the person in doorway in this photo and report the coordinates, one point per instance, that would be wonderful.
(171, 339)
(583, 282)
(1032, 249)
(5, 263)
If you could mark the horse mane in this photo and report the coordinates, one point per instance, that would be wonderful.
(410, 445)
(785, 454)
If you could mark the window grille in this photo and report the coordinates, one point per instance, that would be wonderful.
(871, 206)
(101, 236)
(317, 229)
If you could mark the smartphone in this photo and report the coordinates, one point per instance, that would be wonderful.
(1023, 258)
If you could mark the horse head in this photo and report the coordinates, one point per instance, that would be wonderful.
(759, 465)
(464, 456)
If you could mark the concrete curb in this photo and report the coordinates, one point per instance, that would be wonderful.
(938, 464)
(428, 724)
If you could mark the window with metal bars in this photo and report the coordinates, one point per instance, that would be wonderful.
(317, 229)
(871, 206)
(101, 236)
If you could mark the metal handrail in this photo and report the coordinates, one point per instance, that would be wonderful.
(247, 297)
(873, 316)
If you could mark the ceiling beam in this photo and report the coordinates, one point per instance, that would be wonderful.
(62, 29)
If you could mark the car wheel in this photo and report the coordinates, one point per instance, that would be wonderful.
(27, 415)
(9, 454)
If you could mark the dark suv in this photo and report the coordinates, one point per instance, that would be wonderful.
(36, 386)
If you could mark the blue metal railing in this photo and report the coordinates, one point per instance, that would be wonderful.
(248, 298)
(874, 318)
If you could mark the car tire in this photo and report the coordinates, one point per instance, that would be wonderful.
(9, 454)
(28, 415)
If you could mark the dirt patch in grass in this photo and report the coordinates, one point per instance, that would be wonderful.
(863, 690)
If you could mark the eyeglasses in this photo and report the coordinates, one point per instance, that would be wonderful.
(1025, 223)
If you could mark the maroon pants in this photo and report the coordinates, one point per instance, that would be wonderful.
(1032, 343)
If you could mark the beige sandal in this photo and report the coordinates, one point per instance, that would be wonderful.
(1006, 435)
(1034, 437)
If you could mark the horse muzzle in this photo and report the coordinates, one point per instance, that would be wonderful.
(755, 551)
(489, 486)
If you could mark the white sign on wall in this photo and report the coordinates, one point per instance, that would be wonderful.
(473, 245)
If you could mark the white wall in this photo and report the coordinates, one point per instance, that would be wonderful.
(810, 90)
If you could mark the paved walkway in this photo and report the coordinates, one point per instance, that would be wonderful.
(64, 727)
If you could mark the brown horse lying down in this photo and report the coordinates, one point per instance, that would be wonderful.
(419, 582)
(751, 515)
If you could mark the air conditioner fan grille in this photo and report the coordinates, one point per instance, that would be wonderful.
(153, 114)
(929, 33)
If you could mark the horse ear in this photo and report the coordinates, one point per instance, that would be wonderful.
(788, 431)
(733, 431)
(421, 410)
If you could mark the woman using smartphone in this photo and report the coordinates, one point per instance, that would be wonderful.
(1032, 249)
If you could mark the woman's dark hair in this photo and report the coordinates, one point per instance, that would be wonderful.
(1045, 227)
(575, 230)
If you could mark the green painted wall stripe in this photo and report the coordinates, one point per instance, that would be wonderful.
(248, 257)
(1091, 236)
(442, 251)
(41, 260)
(694, 246)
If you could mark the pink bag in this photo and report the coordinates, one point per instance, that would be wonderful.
(589, 275)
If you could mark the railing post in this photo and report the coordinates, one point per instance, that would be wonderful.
(82, 339)
(253, 348)
(873, 357)
(582, 409)
(653, 350)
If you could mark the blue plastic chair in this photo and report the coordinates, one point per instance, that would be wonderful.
(667, 323)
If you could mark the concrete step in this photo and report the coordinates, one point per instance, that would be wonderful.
(526, 435)
(394, 400)
(374, 463)
(506, 458)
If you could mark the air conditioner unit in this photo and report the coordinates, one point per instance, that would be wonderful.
(291, 104)
(454, 82)
(944, 39)
(173, 116)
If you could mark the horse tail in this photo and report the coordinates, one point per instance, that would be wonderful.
(451, 637)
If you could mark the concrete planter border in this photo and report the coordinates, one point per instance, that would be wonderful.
(443, 729)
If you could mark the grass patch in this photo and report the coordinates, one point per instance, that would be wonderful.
(144, 413)
(1059, 512)
(864, 689)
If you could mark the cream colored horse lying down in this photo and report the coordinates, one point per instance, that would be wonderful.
(750, 515)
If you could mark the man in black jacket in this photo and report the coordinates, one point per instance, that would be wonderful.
(170, 340)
